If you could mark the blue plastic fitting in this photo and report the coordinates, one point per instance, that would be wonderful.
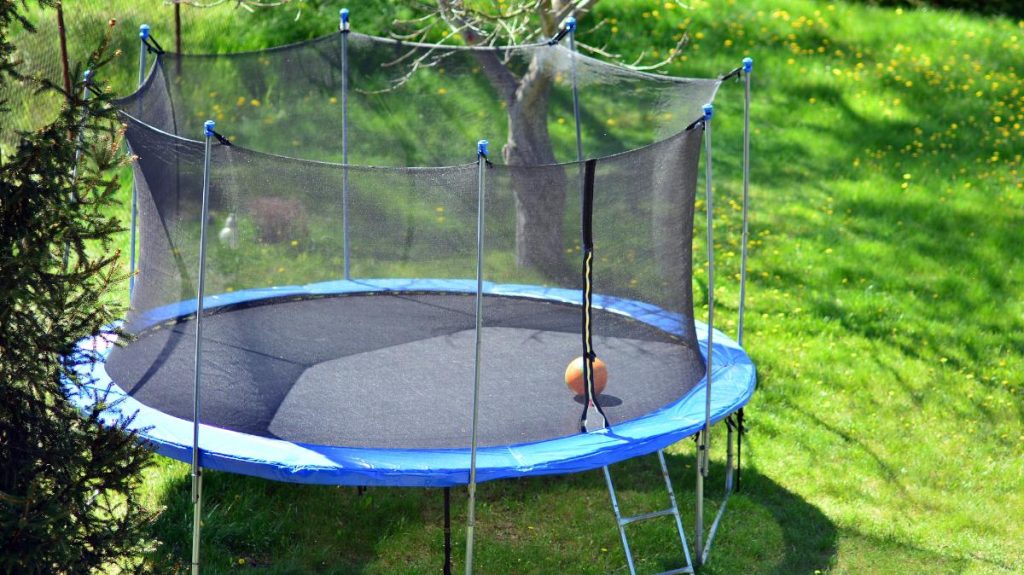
(748, 65)
(481, 147)
(570, 23)
(709, 111)
(208, 128)
(343, 14)
(143, 31)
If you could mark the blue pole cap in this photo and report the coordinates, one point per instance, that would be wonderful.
(87, 76)
(144, 31)
(481, 147)
(709, 111)
(208, 128)
(343, 14)
(748, 65)
(570, 24)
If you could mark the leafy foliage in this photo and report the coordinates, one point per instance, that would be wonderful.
(68, 502)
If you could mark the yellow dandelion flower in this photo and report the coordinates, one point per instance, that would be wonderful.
(727, 43)
(241, 101)
(295, 243)
(254, 103)
(280, 270)
(611, 121)
(333, 100)
(907, 176)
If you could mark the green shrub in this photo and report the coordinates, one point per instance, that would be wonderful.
(68, 502)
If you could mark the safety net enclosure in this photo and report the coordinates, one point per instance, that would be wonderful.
(343, 288)
(340, 298)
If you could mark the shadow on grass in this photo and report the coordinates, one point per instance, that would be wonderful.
(533, 525)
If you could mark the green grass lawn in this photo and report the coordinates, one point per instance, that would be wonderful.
(886, 318)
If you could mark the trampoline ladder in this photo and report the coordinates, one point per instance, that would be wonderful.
(672, 510)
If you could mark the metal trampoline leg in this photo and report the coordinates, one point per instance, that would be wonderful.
(672, 510)
(703, 547)
(618, 520)
(447, 568)
(725, 501)
(675, 508)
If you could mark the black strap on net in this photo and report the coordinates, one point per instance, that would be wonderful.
(152, 46)
(589, 394)
(220, 138)
(732, 74)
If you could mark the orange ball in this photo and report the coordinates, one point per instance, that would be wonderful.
(574, 376)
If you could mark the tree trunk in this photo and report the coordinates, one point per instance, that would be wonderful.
(540, 195)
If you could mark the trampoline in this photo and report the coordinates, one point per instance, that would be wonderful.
(368, 404)
(331, 291)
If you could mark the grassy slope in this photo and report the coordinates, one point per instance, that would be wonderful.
(885, 318)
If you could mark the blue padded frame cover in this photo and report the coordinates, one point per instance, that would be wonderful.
(226, 450)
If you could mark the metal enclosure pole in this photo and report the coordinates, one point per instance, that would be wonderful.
(79, 141)
(748, 67)
(481, 148)
(704, 438)
(343, 27)
(725, 501)
(731, 472)
(197, 479)
(143, 36)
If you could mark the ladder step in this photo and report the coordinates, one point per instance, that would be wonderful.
(651, 515)
(677, 571)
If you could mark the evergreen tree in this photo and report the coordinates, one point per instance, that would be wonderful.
(68, 479)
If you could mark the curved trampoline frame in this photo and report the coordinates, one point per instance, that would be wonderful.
(282, 460)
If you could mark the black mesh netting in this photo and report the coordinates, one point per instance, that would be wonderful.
(392, 364)
(413, 105)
